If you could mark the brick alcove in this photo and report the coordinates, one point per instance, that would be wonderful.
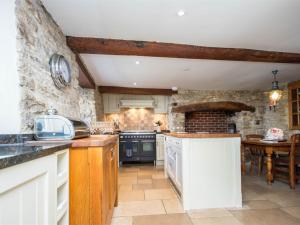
(212, 121)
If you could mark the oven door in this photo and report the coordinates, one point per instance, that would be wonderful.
(148, 148)
(129, 150)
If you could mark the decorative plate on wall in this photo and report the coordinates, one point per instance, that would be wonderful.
(60, 71)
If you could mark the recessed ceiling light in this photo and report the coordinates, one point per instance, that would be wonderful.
(137, 62)
(180, 13)
(134, 83)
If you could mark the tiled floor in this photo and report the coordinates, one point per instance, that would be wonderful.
(147, 198)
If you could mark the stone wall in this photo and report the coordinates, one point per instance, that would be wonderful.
(246, 122)
(278, 118)
(90, 104)
(99, 106)
(258, 122)
(38, 37)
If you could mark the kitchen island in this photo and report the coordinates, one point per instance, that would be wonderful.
(205, 169)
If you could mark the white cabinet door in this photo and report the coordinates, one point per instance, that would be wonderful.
(111, 103)
(36, 192)
(160, 155)
(27, 193)
(179, 169)
(161, 104)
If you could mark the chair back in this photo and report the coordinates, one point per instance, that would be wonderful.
(255, 150)
(295, 148)
(254, 137)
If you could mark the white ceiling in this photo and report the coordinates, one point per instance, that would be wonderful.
(267, 25)
(185, 73)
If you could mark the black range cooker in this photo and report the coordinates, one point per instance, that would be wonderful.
(137, 146)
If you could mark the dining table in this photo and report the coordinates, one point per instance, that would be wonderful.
(270, 148)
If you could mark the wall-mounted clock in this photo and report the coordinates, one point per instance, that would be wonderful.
(60, 71)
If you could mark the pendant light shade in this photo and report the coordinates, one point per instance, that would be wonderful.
(275, 94)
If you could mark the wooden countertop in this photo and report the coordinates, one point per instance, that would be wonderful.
(195, 135)
(94, 141)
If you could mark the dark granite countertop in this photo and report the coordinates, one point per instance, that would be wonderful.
(13, 153)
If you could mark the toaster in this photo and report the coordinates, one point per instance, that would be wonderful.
(55, 127)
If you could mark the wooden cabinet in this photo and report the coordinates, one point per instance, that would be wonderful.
(93, 184)
(111, 103)
(36, 192)
(294, 105)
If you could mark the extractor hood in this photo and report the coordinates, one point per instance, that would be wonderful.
(137, 103)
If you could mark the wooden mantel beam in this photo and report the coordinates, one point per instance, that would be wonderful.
(227, 106)
(135, 91)
(85, 78)
(159, 49)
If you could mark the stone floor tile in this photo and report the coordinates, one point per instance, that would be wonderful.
(134, 195)
(161, 184)
(260, 204)
(127, 180)
(130, 174)
(144, 181)
(121, 221)
(265, 217)
(139, 208)
(252, 195)
(159, 175)
(129, 169)
(285, 198)
(149, 176)
(216, 221)
(160, 194)
(294, 211)
(146, 173)
(170, 219)
(142, 186)
(202, 213)
(173, 206)
(125, 187)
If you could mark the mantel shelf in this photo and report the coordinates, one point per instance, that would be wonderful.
(227, 106)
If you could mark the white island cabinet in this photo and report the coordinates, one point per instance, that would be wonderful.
(36, 192)
(205, 169)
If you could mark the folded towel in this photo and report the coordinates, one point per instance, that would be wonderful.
(129, 148)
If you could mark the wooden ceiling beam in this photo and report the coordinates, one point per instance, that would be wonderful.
(135, 91)
(158, 49)
(85, 78)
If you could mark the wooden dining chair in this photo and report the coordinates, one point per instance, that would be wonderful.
(256, 154)
(287, 167)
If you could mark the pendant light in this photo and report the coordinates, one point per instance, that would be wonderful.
(275, 94)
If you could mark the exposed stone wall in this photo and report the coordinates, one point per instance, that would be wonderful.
(38, 38)
(258, 122)
(99, 106)
(87, 105)
(246, 122)
(278, 118)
